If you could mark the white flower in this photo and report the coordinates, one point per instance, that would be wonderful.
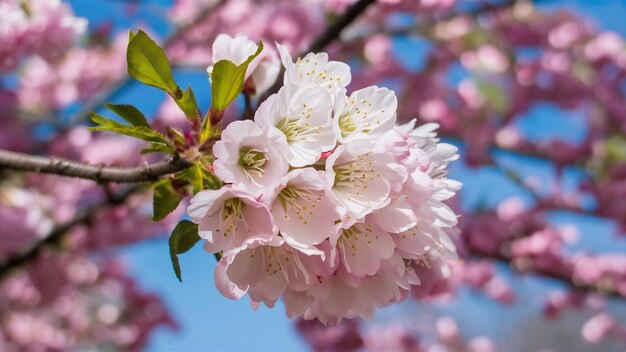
(370, 111)
(301, 208)
(248, 157)
(361, 177)
(230, 220)
(315, 69)
(262, 70)
(300, 115)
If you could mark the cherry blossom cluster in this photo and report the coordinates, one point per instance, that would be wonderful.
(42, 27)
(326, 203)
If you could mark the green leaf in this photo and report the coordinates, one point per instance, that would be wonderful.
(227, 81)
(129, 113)
(187, 103)
(165, 199)
(147, 134)
(183, 238)
(157, 148)
(148, 64)
(199, 178)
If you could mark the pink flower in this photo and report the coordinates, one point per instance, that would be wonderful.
(361, 247)
(370, 111)
(360, 176)
(248, 157)
(265, 271)
(230, 220)
(300, 116)
(301, 208)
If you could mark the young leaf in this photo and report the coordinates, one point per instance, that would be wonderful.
(183, 238)
(165, 199)
(178, 138)
(157, 148)
(140, 132)
(129, 113)
(148, 64)
(227, 81)
(187, 103)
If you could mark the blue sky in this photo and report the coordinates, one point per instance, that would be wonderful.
(209, 321)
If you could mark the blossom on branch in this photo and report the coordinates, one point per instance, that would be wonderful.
(326, 202)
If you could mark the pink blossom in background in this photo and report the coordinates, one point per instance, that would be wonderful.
(474, 84)
(39, 27)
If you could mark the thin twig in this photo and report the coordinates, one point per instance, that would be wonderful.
(554, 274)
(99, 173)
(331, 33)
(429, 24)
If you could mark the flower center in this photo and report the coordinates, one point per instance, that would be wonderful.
(350, 237)
(359, 171)
(302, 200)
(229, 215)
(346, 124)
(289, 127)
(252, 160)
(232, 207)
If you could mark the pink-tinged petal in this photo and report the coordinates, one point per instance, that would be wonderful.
(250, 157)
(301, 209)
(296, 303)
(306, 249)
(417, 241)
(308, 218)
(206, 202)
(272, 286)
(342, 298)
(226, 229)
(358, 173)
(362, 247)
(320, 265)
(367, 112)
(397, 216)
(301, 115)
(445, 215)
(418, 188)
(360, 200)
(245, 267)
(226, 287)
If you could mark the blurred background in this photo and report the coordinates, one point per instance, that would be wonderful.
(532, 92)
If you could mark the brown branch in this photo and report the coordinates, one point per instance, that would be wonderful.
(55, 237)
(427, 25)
(148, 172)
(556, 272)
(333, 31)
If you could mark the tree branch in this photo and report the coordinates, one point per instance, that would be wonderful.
(99, 173)
(333, 31)
(55, 237)
(555, 272)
